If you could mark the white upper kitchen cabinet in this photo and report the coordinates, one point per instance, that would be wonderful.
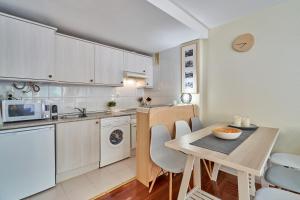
(134, 62)
(108, 65)
(27, 49)
(149, 72)
(74, 60)
(140, 63)
(129, 61)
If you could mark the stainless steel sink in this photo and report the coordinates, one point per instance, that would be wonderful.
(71, 116)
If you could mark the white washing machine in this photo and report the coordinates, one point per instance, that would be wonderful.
(114, 139)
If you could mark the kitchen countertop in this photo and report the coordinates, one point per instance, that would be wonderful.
(146, 109)
(71, 118)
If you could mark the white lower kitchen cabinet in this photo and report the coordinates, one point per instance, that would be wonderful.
(108, 65)
(27, 49)
(77, 148)
(74, 60)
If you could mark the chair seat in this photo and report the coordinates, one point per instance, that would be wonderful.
(286, 159)
(171, 161)
(275, 194)
(287, 178)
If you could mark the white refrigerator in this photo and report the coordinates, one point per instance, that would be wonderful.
(27, 161)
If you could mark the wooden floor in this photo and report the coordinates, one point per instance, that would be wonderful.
(225, 188)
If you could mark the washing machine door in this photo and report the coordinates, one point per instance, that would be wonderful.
(116, 137)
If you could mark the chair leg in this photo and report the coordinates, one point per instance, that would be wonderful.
(210, 168)
(170, 186)
(153, 182)
(206, 168)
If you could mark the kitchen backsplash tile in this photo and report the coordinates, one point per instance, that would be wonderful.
(55, 91)
(74, 91)
(66, 97)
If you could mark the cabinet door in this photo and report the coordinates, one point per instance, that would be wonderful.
(74, 60)
(149, 72)
(77, 144)
(141, 64)
(26, 50)
(108, 65)
(130, 62)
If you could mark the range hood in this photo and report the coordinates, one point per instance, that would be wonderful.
(128, 74)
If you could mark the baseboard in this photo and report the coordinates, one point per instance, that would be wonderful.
(76, 172)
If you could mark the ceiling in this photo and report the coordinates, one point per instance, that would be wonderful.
(214, 13)
(131, 24)
(135, 25)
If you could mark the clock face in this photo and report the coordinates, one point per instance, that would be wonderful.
(243, 42)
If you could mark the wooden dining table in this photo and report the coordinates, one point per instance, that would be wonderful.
(248, 159)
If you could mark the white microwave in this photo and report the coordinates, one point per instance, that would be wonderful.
(21, 110)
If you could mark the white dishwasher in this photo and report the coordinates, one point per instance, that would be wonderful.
(27, 161)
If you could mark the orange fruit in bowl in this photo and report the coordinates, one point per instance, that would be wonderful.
(227, 133)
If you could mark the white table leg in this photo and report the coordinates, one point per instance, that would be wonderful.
(243, 185)
(186, 177)
(197, 172)
(252, 185)
(215, 172)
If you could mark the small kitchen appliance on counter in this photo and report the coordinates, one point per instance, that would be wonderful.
(21, 110)
(54, 112)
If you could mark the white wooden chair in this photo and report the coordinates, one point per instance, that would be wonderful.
(286, 159)
(284, 171)
(182, 128)
(275, 194)
(167, 159)
(284, 177)
(196, 124)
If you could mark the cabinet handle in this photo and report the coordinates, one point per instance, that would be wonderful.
(147, 83)
(121, 82)
(144, 70)
(50, 76)
(97, 122)
(91, 80)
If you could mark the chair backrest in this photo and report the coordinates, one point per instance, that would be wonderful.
(159, 135)
(196, 124)
(182, 128)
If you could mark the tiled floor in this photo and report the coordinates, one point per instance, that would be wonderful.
(91, 184)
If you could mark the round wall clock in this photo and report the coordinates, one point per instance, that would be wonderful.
(243, 42)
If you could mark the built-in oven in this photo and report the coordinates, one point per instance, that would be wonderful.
(21, 110)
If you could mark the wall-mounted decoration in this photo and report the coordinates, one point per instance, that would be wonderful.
(189, 68)
(243, 42)
(186, 98)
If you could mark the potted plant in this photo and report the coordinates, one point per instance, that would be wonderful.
(111, 105)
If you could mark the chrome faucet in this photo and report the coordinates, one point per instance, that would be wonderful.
(82, 112)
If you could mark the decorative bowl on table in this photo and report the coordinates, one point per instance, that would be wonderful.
(227, 133)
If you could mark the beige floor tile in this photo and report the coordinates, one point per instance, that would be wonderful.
(79, 188)
(112, 175)
(55, 193)
(101, 180)
(92, 183)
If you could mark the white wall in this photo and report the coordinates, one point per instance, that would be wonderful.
(94, 98)
(167, 75)
(167, 84)
(263, 83)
